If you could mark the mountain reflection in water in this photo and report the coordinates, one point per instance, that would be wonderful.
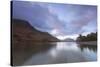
(64, 52)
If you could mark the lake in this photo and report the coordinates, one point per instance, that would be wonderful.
(64, 52)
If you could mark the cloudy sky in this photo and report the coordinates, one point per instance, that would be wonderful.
(60, 20)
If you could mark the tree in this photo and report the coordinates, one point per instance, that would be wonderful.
(89, 37)
(79, 38)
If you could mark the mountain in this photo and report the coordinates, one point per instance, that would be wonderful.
(69, 40)
(22, 30)
(27, 41)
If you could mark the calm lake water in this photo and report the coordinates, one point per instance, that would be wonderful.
(64, 52)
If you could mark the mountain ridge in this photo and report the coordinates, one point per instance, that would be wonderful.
(21, 28)
(27, 41)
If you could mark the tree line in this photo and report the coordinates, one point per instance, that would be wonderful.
(89, 37)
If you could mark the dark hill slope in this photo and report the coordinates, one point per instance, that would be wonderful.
(22, 30)
(27, 41)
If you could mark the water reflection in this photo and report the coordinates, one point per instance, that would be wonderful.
(89, 51)
(90, 55)
(63, 52)
(90, 47)
(21, 53)
(66, 46)
(63, 47)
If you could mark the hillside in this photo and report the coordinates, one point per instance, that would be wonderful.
(27, 41)
(22, 30)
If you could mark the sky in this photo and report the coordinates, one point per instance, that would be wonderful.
(60, 20)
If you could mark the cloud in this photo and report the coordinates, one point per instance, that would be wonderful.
(83, 20)
(38, 15)
(75, 17)
(57, 19)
